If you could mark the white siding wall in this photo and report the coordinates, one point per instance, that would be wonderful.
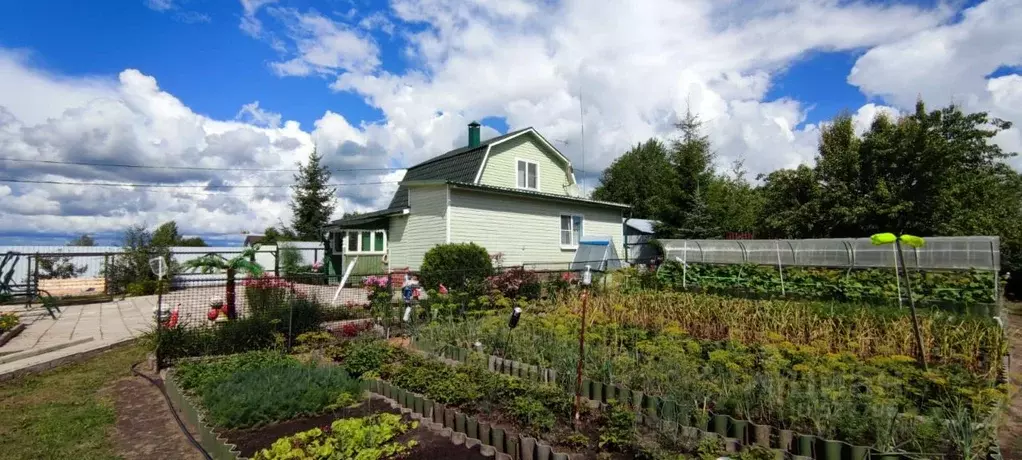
(525, 230)
(425, 226)
(501, 167)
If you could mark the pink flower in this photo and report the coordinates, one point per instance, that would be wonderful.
(443, 289)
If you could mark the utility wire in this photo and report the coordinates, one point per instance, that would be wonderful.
(121, 184)
(186, 168)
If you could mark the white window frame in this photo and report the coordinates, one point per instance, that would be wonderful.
(517, 175)
(357, 234)
(581, 229)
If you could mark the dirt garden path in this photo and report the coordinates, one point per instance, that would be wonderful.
(1010, 435)
(145, 429)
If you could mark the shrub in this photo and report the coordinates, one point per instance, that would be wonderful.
(8, 320)
(268, 394)
(532, 414)
(291, 259)
(617, 427)
(362, 356)
(346, 439)
(462, 266)
(147, 287)
(236, 336)
(516, 282)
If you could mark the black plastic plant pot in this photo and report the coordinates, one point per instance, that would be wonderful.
(586, 385)
(427, 408)
(484, 433)
(785, 438)
(831, 449)
(498, 439)
(720, 424)
(609, 392)
(858, 452)
(760, 434)
(513, 444)
(449, 418)
(528, 448)
(806, 445)
(438, 412)
(543, 452)
(653, 404)
(739, 430)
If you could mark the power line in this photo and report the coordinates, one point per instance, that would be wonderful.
(184, 168)
(121, 184)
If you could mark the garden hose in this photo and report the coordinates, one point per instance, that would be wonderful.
(170, 405)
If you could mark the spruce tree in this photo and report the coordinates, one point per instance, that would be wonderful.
(313, 201)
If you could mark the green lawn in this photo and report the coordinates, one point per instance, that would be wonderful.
(63, 413)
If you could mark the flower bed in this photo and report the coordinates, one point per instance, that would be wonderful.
(769, 381)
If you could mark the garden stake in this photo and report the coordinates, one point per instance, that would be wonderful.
(911, 306)
(586, 278)
(914, 241)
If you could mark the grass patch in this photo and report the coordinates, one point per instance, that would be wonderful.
(63, 413)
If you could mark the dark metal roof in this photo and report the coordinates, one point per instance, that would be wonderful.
(459, 165)
(529, 193)
(364, 218)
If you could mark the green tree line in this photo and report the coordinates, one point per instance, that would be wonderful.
(928, 173)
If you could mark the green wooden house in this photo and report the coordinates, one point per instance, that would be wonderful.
(513, 194)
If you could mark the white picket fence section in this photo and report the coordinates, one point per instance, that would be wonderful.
(310, 251)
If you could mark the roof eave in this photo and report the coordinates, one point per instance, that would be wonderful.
(542, 196)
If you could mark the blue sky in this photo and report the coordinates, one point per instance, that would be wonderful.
(214, 68)
(386, 84)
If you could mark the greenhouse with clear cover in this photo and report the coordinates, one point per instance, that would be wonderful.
(961, 272)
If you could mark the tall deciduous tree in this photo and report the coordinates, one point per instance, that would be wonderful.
(642, 178)
(927, 173)
(313, 201)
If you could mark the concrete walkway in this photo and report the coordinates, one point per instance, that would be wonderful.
(78, 329)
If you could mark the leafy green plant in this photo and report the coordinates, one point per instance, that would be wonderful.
(617, 427)
(362, 356)
(8, 320)
(531, 414)
(457, 266)
(367, 438)
(268, 394)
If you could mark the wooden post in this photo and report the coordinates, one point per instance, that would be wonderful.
(230, 296)
(581, 357)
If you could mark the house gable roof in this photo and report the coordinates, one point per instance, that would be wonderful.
(461, 165)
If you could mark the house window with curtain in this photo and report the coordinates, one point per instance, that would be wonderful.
(528, 175)
(571, 230)
(363, 241)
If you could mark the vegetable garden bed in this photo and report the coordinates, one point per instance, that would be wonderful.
(265, 405)
(796, 367)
